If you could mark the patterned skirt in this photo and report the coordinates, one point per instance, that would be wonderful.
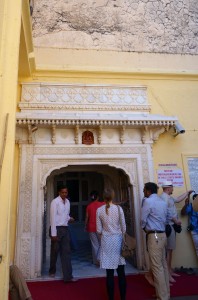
(110, 255)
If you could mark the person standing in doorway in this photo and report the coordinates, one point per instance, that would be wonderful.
(59, 234)
(167, 187)
(111, 226)
(154, 215)
(90, 225)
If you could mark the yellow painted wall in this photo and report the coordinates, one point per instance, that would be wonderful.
(172, 82)
(10, 25)
(179, 98)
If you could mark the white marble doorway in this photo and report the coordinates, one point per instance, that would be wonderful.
(38, 162)
(81, 180)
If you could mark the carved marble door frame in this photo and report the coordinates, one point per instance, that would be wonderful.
(36, 164)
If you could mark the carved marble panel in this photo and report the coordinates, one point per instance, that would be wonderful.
(51, 96)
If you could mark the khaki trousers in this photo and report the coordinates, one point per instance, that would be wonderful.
(157, 255)
(17, 286)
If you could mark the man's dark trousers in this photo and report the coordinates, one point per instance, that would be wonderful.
(62, 246)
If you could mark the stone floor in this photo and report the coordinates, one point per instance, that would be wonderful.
(82, 264)
(81, 260)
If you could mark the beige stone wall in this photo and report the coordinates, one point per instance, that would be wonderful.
(168, 26)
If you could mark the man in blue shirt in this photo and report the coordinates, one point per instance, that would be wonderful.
(190, 210)
(154, 216)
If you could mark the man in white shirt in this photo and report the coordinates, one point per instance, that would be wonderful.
(167, 187)
(59, 233)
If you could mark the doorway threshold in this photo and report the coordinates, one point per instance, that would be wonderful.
(86, 270)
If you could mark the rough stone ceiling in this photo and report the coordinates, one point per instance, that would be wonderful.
(167, 26)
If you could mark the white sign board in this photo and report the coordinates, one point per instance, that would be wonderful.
(193, 172)
(173, 175)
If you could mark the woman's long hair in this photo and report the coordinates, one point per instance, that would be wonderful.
(108, 196)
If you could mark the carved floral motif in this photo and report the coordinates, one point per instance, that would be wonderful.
(78, 96)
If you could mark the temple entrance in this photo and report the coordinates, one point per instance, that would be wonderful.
(119, 155)
(42, 168)
(81, 180)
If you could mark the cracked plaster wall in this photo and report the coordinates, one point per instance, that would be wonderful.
(166, 26)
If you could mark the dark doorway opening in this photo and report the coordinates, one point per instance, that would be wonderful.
(81, 181)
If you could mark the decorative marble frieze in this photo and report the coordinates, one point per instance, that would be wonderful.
(72, 122)
(80, 97)
(91, 106)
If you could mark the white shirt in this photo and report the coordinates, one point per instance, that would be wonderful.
(113, 223)
(171, 206)
(59, 214)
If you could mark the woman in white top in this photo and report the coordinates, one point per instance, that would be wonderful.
(111, 226)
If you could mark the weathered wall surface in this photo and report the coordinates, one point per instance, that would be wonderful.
(167, 26)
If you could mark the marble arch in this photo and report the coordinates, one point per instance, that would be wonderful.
(116, 165)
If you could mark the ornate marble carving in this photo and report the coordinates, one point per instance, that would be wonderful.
(156, 133)
(28, 189)
(122, 131)
(141, 150)
(76, 135)
(126, 164)
(91, 106)
(76, 97)
(25, 256)
(99, 134)
(72, 122)
(29, 134)
(143, 134)
(53, 134)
